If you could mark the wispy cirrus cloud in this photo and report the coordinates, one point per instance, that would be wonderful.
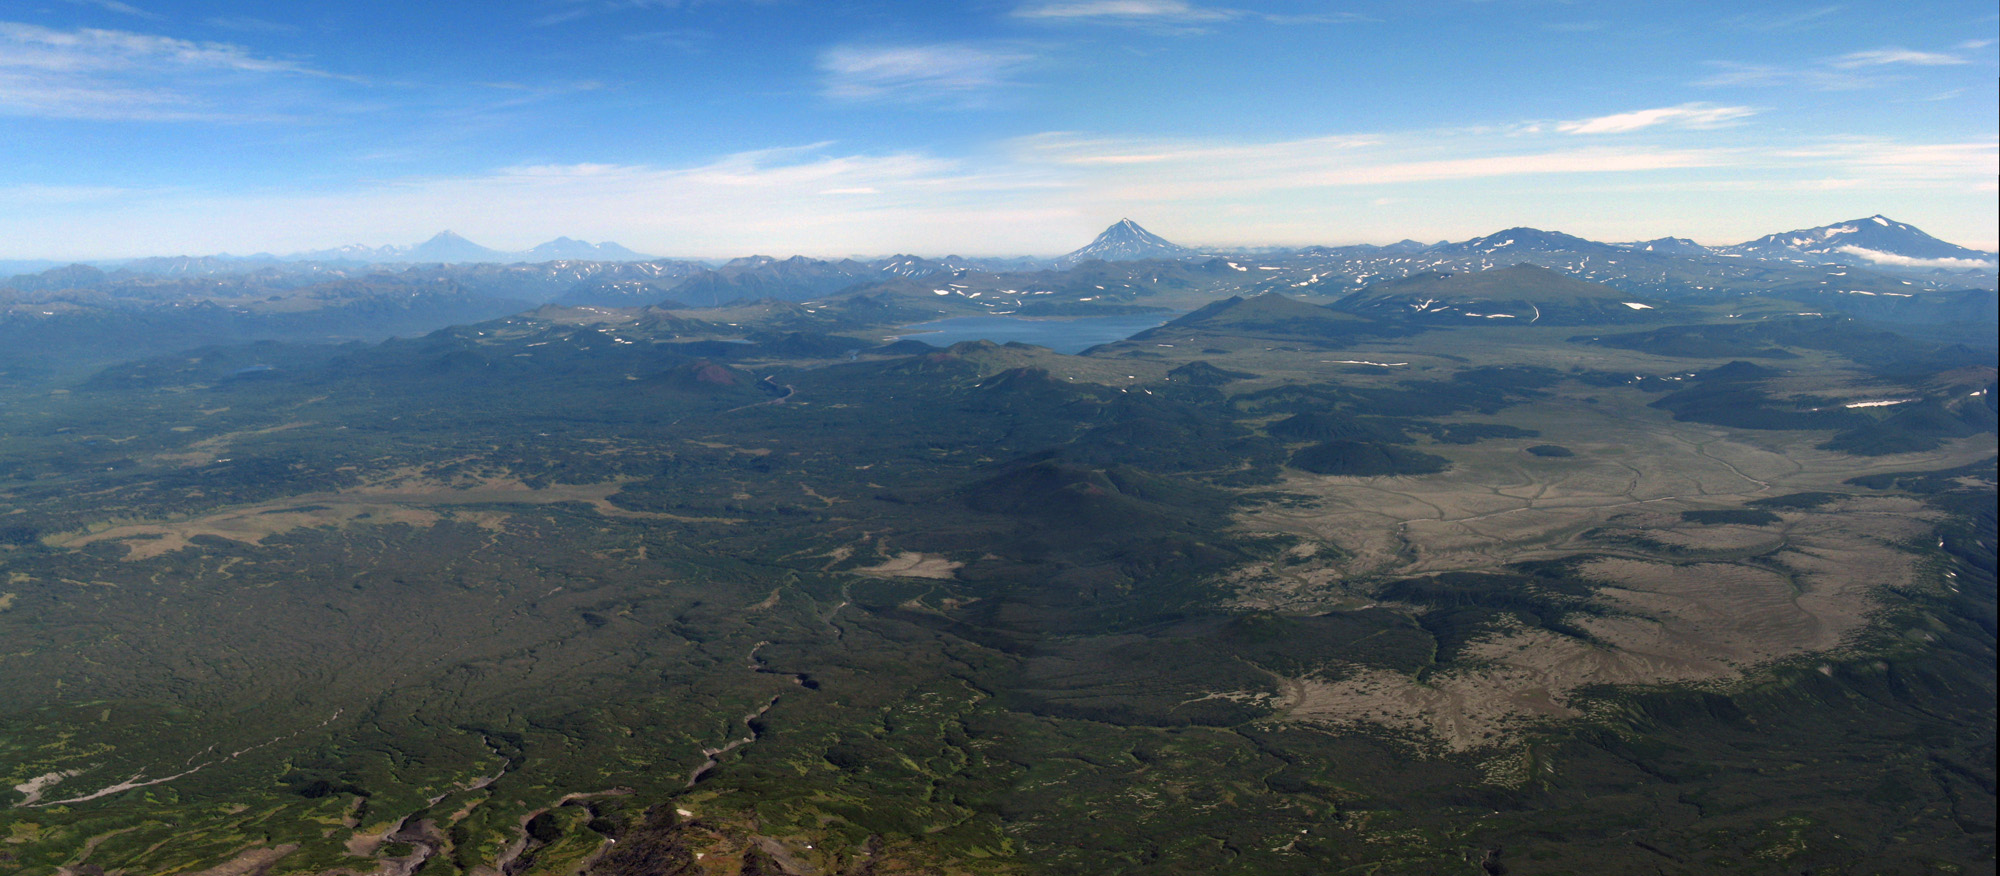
(571, 10)
(961, 74)
(35, 47)
(1849, 72)
(1167, 170)
(1879, 161)
(1698, 116)
(1124, 10)
(1732, 74)
(1785, 21)
(113, 74)
(248, 24)
(1884, 57)
(685, 39)
(1165, 15)
(118, 7)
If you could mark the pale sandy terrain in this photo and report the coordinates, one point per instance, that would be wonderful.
(407, 498)
(910, 564)
(1681, 602)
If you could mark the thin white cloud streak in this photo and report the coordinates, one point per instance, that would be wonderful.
(961, 73)
(1730, 74)
(120, 8)
(40, 48)
(1171, 16)
(110, 74)
(1849, 72)
(45, 97)
(1698, 116)
(1170, 10)
(1785, 21)
(248, 24)
(1158, 171)
(581, 8)
(1884, 57)
(1884, 162)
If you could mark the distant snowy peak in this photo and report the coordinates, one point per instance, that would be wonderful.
(450, 248)
(1124, 242)
(358, 251)
(1525, 240)
(353, 252)
(1876, 239)
(1669, 246)
(567, 248)
(901, 265)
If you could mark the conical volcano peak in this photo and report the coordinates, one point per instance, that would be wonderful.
(1126, 240)
(447, 246)
(1126, 229)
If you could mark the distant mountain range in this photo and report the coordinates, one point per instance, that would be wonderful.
(1875, 268)
(1875, 256)
(1876, 241)
(447, 247)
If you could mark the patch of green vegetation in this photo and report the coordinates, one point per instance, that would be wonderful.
(1884, 352)
(1730, 516)
(1525, 291)
(1200, 373)
(1921, 425)
(1931, 483)
(1732, 395)
(1365, 459)
(1805, 501)
(1466, 605)
(1275, 317)
(1472, 433)
(1334, 426)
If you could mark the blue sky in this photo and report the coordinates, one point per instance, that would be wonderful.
(724, 127)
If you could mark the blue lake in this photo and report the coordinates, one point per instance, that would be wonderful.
(1063, 335)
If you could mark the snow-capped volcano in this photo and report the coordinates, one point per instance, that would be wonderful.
(1525, 240)
(1125, 242)
(1669, 246)
(1874, 240)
